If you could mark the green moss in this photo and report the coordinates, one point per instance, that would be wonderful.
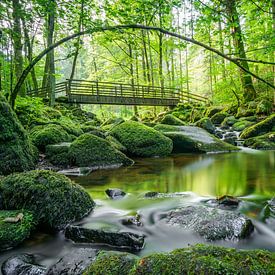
(244, 111)
(263, 142)
(218, 117)
(206, 124)
(16, 150)
(69, 126)
(141, 140)
(12, 234)
(116, 144)
(53, 198)
(241, 125)
(260, 128)
(58, 154)
(264, 107)
(112, 263)
(42, 136)
(198, 259)
(171, 120)
(90, 150)
(210, 111)
(229, 121)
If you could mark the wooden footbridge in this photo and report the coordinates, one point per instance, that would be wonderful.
(95, 92)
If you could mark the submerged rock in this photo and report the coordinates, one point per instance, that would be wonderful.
(115, 193)
(141, 140)
(16, 151)
(75, 262)
(14, 230)
(23, 264)
(125, 240)
(198, 259)
(159, 195)
(188, 139)
(210, 223)
(54, 199)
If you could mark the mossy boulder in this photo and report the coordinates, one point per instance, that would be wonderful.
(244, 111)
(263, 142)
(210, 111)
(71, 127)
(218, 118)
(54, 199)
(264, 107)
(141, 140)
(171, 120)
(241, 125)
(16, 151)
(42, 136)
(112, 263)
(190, 139)
(260, 128)
(13, 233)
(198, 259)
(229, 121)
(116, 144)
(206, 124)
(58, 154)
(90, 150)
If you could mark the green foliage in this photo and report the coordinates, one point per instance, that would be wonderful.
(260, 128)
(90, 150)
(16, 150)
(53, 198)
(44, 135)
(12, 234)
(141, 140)
(218, 118)
(241, 125)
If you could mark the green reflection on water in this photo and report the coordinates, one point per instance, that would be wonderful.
(238, 174)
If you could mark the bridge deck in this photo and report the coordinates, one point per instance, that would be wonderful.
(94, 92)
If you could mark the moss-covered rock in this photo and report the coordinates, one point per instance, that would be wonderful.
(112, 263)
(141, 140)
(263, 142)
(13, 233)
(171, 120)
(16, 150)
(241, 125)
(218, 117)
(244, 111)
(69, 126)
(42, 136)
(210, 111)
(260, 128)
(189, 139)
(53, 198)
(206, 124)
(264, 107)
(90, 150)
(58, 154)
(229, 121)
(198, 259)
(116, 144)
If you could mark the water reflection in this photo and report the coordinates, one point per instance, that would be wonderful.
(238, 174)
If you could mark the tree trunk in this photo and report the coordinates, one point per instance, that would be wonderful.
(146, 57)
(249, 92)
(17, 42)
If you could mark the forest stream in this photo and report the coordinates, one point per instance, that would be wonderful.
(181, 179)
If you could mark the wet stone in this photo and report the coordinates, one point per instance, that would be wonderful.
(75, 262)
(125, 240)
(23, 264)
(135, 220)
(115, 193)
(210, 223)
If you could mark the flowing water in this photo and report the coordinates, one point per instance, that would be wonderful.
(248, 174)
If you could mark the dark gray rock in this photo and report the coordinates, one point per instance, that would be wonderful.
(115, 193)
(135, 220)
(157, 195)
(126, 240)
(23, 264)
(75, 262)
(210, 223)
